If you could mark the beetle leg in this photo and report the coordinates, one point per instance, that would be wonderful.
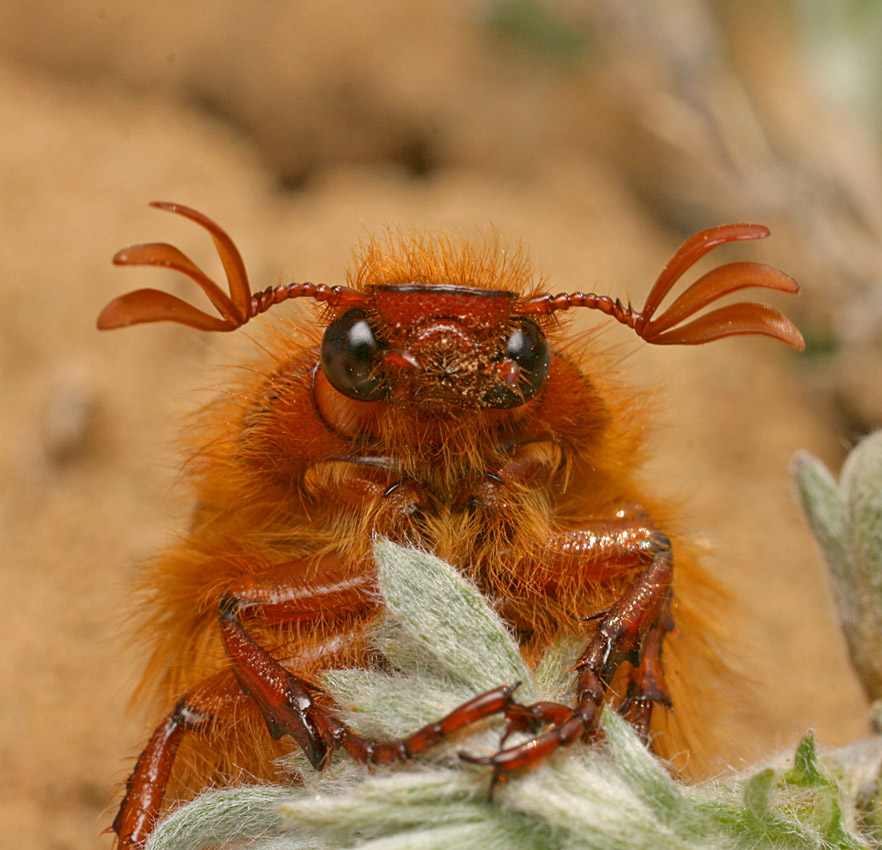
(146, 786)
(634, 624)
(374, 484)
(621, 634)
(531, 718)
(646, 682)
(288, 595)
(533, 464)
(289, 707)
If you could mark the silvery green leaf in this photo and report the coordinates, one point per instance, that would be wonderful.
(232, 814)
(449, 617)
(847, 521)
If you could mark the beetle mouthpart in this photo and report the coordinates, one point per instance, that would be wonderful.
(400, 359)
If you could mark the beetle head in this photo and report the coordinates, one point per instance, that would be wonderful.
(436, 347)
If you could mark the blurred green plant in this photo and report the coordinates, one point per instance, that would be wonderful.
(841, 41)
(538, 27)
(846, 519)
(444, 644)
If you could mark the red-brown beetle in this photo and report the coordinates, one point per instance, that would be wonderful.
(441, 407)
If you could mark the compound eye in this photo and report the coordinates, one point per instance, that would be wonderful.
(349, 355)
(528, 349)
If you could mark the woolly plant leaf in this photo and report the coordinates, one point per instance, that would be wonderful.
(847, 522)
(862, 493)
(609, 795)
(448, 617)
(232, 814)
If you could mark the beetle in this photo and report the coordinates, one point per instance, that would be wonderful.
(440, 406)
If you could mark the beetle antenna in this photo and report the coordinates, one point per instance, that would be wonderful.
(745, 317)
(237, 308)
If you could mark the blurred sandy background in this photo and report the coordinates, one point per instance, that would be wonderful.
(598, 134)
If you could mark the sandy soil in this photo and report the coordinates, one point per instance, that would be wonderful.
(331, 133)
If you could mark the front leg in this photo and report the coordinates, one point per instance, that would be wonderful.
(211, 701)
(373, 485)
(646, 682)
(289, 705)
(289, 593)
(622, 632)
(634, 624)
